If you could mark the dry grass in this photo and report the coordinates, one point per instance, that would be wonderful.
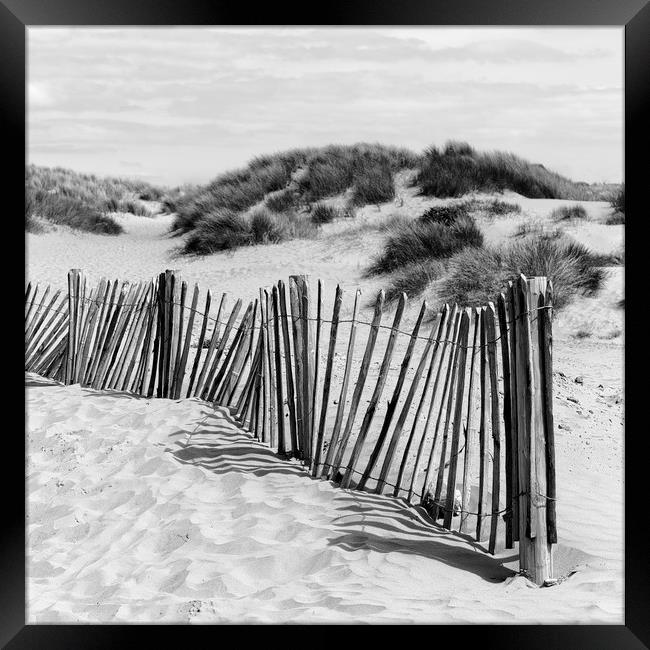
(458, 169)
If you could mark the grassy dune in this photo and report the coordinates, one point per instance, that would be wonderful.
(291, 185)
(82, 201)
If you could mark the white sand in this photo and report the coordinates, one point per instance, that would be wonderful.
(161, 510)
(129, 520)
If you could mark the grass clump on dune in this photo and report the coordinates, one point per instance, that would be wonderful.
(281, 201)
(568, 212)
(478, 276)
(224, 230)
(459, 169)
(417, 240)
(83, 201)
(323, 213)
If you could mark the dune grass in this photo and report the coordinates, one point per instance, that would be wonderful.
(422, 239)
(478, 276)
(83, 201)
(569, 212)
(323, 213)
(224, 230)
(459, 169)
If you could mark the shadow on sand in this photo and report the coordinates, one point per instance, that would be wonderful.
(380, 523)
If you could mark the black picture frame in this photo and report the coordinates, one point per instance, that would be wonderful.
(16, 15)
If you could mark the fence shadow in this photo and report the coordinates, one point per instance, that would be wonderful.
(368, 521)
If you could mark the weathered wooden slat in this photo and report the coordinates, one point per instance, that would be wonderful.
(390, 412)
(179, 311)
(524, 392)
(507, 413)
(109, 341)
(333, 443)
(446, 406)
(118, 335)
(133, 313)
(40, 327)
(490, 332)
(136, 336)
(308, 353)
(546, 346)
(401, 420)
(89, 309)
(316, 361)
(444, 345)
(199, 346)
(31, 305)
(103, 324)
(94, 323)
(214, 339)
(291, 398)
(442, 318)
(56, 341)
(458, 417)
(483, 436)
(237, 346)
(543, 551)
(242, 349)
(40, 342)
(182, 363)
(510, 315)
(82, 310)
(237, 369)
(469, 440)
(36, 316)
(298, 361)
(146, 367)
(270, 370)
(279, 393)
(205, 386)
(376, 395)
(361, 380)
(327, 380)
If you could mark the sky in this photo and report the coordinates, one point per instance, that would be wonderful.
(174, 105)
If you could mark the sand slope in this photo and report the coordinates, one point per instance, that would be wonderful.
(161, 510)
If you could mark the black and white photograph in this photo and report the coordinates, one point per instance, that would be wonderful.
(324, 324)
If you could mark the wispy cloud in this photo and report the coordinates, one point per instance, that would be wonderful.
(184, 104)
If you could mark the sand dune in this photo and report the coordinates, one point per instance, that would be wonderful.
(164, 511)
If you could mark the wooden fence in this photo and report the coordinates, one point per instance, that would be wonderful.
(467, 431)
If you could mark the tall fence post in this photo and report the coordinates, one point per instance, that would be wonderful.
(536, 452)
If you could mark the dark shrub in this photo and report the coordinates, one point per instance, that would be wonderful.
(281, 201)
(499, 207)
(618, 200)
(477, 276)
(374, 184)
(445, 214)
(218, 231)
(567, 212)
(323, 213)
(459, 169)
(416, 240)
(265, 228)
(616, 219)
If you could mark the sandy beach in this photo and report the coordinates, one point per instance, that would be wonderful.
(166, 511)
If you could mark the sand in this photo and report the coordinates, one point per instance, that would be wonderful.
(160, 510)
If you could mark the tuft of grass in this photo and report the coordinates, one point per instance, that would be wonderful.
(476, 277)
(281, 201)
(459, 169)
(226, 230)
(219, 231)
(567, 212)
(83, 201)
(615, 219)
(618, 200)
(421, 240)
(582, 334)
(499, 208)
(414, 278)
(323, 213)
(535, 227)
(374, 184)
(446, 214)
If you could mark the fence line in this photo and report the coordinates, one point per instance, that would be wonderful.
(437, 442)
